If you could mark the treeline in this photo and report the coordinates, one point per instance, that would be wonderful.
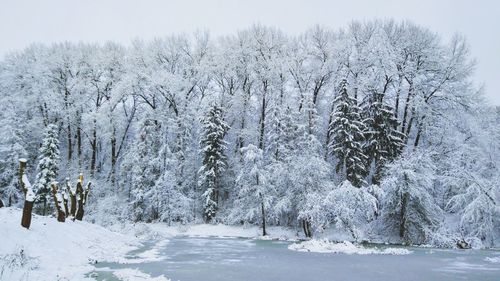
(375, 129)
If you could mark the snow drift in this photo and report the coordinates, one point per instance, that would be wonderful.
(346, 247)
(51, 250)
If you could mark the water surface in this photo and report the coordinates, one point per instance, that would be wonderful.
(233, 259)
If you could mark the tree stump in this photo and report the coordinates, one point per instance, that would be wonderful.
(58, 201)
(72, 199)
(80, 198)
(29, 196)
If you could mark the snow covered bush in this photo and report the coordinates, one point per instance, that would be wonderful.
(17, 265)
(349, 208)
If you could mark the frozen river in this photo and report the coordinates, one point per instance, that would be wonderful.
(232, 259)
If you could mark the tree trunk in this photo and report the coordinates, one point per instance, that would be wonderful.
(407, 108)
(113, 156)
(79, 212)
(264, 233)
(94, 149)
(65, 202)
(263, 116)
(72, 209)
(70, 144)
(306, 225)
(28, 195)
(419, 132)
(1, 203)
(80, 197)
(61, 216)
(240, 142)
(27, 210)
(402, 226)
(79, 145)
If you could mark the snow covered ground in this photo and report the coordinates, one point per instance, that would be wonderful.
(346, 247)
(161, 230)
(51, 250)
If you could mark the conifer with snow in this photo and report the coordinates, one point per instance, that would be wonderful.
(347, 137)
(48, 166)
(213, 147)
(383, 141)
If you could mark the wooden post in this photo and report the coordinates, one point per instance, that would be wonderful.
(29, 196)
(61, 216)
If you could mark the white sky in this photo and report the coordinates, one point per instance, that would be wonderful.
(23, 22)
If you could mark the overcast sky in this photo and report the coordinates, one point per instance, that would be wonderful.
(23, 22)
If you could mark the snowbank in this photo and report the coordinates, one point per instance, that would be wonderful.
(128, 274)
(325, 246)
(51, 250)
(493, 259)
(162, 230)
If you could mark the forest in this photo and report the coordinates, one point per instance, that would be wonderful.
(376, 130)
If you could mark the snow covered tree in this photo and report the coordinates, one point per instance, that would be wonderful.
(478, 209)
(11, 149)
(470, 174)
(135, 112)
(254, 193)
(169, 199)
(408, 205)
(48, 166)
(383, 141)
(143, 168)
(214, 159)
(307, 177)
(347, 137)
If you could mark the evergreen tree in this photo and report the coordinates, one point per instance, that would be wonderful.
(214, 160)
(383, 141)
(347, 136)
(48, 166)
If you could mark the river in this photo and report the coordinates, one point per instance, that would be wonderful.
(235, 259)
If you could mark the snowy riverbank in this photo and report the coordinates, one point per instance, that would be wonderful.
(51, 250)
